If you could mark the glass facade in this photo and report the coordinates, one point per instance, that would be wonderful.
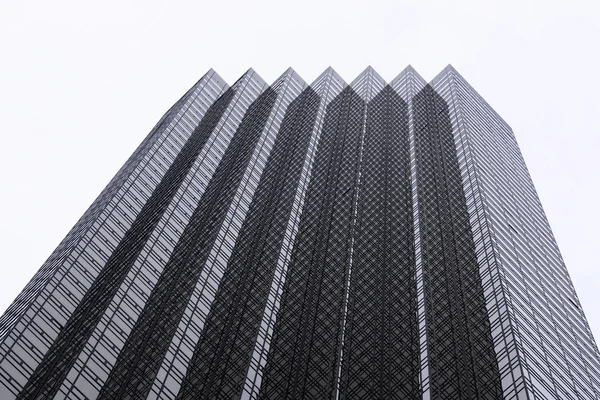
(322, 241)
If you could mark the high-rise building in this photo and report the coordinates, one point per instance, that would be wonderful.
(327, 241)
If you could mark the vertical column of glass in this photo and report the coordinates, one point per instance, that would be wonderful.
(91, 370)
(367, 85)
(381, 352)
(169, 379)
(558, 354)
(107, 221)
(461, 356)
(16, 310)
(407, 84)
(172, 370)
(499, 311)
(146, 346)
(302, 356)
(223, 354)
(327, 86)
(72, 338)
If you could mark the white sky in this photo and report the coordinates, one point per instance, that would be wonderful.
(82, 84)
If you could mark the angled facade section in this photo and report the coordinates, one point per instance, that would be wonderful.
(542, 338)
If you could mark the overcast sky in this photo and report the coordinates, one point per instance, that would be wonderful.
(82, 84)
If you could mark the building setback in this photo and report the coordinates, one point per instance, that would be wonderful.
(369, 240)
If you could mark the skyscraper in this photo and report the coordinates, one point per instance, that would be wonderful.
(323, 241)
